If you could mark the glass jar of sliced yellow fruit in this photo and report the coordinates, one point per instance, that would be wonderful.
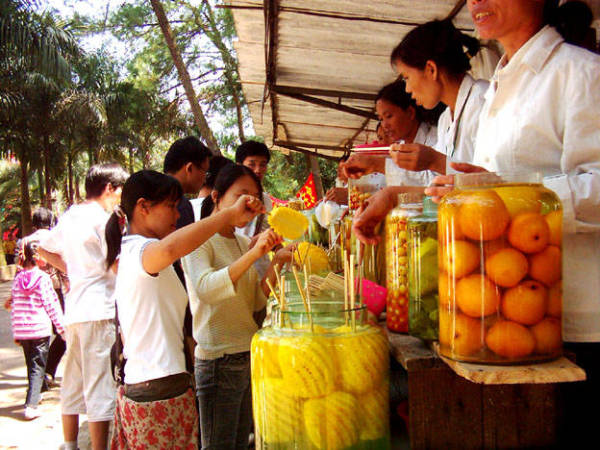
(320, 379)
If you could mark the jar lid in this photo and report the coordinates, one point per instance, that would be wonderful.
(496, 178)
(429, 206)
(410, 197)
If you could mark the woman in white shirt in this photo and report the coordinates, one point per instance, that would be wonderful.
(228, 300)
(155, 406)
(432, 60)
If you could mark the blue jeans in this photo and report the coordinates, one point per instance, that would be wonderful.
(36, 355)
(224, 397)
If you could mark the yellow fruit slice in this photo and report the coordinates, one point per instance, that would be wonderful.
(307, 366)
(331, 422)
(374, 415)
(265, 357)
(288, 223)
(278, 415)
(313, 256)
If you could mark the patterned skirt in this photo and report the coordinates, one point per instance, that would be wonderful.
(163, 424)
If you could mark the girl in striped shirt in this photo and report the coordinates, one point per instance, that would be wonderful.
(35, 307)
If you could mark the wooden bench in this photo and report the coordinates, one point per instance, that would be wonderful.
(458, 405)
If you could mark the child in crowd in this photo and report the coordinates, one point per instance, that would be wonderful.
(35, 308)
(156, 407)
(228, 300)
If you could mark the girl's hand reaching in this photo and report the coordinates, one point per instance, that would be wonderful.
(266, 241)
(245, 209)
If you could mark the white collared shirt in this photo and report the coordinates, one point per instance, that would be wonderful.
(457, 134)
(542, 113)
(79, 239)
(397, 176)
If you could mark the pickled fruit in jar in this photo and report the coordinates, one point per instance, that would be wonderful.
(359, 191)
(326, 389)
(396, 259)
(500, 262)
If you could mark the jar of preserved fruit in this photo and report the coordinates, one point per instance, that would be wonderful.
(423, 273)
(359, 191)
(396, 259)
(321, 381)
(500, 288)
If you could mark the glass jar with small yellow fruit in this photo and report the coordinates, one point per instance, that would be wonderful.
(396, 259)
(500, 276)
(320, 381)
(359, 191)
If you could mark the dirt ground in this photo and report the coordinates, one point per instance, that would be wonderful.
(15, 432)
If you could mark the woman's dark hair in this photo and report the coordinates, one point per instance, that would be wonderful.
(150, 185)
(43, 218)
(99, 175)
(573, 21)
(226, 178)
(27, 252)
(438, 41)
(214, 167)
(251, 148)
(395, 93)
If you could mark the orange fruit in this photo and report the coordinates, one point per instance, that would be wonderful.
(546, 266)
(506, 267)
(483, 216)
(510, 339)
(477, 296)
(525, 303)
(519, 199)
(448, 227)
(461, 334)
(445, 290)
(554, 221)
(459, 258)
(491, 247)
(548, 336)
(555, 300)
(529, 232)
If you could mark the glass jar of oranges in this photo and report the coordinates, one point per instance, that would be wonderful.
(396, 260)
(321, 381)
(500, 269)
(423, 273)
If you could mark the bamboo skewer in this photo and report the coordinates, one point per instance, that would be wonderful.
(346, 299)
(352, 293)
(305, 297)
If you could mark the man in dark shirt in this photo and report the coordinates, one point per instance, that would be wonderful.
(187, 161)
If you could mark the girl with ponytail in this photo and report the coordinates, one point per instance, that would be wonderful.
(227, 299)
(433, 59)
(151, 304)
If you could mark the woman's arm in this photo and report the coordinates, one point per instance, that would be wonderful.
(163, 253)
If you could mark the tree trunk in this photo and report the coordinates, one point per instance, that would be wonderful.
(313, 163)
(40, 177)
(26, 227)
(184, 76)
(47, 177)
(130, 160)
(70, 178)
(238, 105)
(77, 194)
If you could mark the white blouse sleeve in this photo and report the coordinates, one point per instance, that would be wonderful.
(579, 184)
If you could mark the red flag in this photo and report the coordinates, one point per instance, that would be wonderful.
(308, 193)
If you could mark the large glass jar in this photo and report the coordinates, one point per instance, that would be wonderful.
(322, 385)
(396, 260)
(423, 273)
(500, 288)
(359, 191)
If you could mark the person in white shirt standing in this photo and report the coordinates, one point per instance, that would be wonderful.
(77, 247)
(156, 406)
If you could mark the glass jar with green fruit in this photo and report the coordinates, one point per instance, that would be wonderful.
(500, 290)
(320, 379)
(423, 273)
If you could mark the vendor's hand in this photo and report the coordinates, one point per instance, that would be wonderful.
(358, 165)
(442, 184)
(371, 214)
(266, 241)
(253, 241)
(417, 157)
(245, 209)
(284, 255)
(337, 195)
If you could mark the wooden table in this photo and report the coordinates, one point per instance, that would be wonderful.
(447, 410)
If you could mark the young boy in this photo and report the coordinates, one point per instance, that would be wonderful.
(77, 246)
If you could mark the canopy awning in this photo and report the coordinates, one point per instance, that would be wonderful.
(310, 69)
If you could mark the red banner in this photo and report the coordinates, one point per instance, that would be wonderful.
(308, 193)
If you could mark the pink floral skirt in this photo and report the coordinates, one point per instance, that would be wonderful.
(163, 424)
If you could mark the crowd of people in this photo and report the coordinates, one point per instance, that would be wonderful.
(182, 284)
